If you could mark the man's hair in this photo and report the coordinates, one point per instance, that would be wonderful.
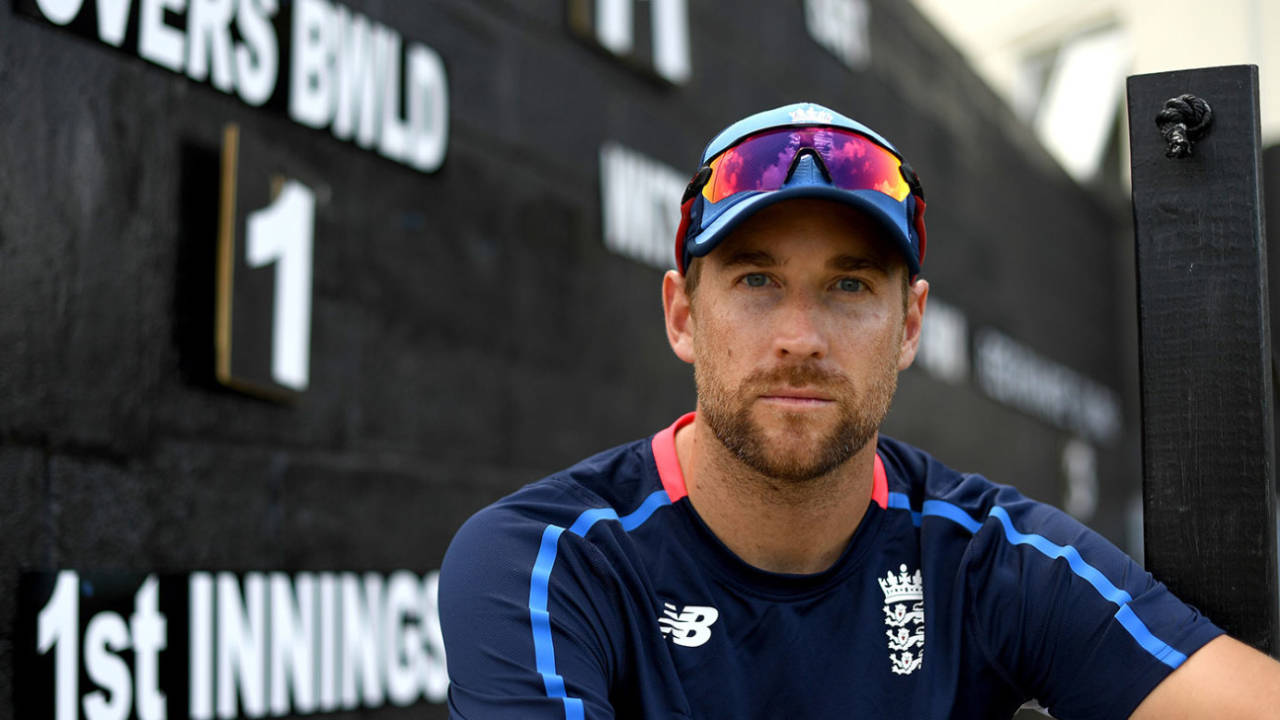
(691, 276)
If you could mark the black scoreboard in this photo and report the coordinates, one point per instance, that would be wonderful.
(290, 288)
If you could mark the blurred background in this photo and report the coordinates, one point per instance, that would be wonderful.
(290, 289)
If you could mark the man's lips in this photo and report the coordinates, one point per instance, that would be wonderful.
(798, 397)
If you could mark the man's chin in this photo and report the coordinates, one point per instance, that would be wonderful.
(789, 444)
(806, 425)
(791, 465)
(798, 455)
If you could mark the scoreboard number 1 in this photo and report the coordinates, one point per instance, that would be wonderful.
(264, 295)
(57, 631)
(281, 233)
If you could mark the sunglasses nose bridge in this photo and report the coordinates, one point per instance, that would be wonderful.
(807, 168)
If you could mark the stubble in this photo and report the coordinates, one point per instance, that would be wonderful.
(729, 415)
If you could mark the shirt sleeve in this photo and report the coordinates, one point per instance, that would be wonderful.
(1069, 617)
(525, 622)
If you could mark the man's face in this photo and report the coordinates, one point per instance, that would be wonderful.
(797, 331)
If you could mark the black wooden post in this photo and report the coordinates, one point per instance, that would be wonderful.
(1209, 492)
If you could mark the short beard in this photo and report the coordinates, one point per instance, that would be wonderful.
(860, 419)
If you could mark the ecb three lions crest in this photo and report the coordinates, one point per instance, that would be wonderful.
(904, 616)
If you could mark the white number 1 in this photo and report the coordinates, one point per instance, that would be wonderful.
(57, 627)
(282, 233)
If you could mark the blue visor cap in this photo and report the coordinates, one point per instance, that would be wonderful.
(705, 224)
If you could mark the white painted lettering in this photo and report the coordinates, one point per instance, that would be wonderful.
(328, 642)
(311, 87)
(641, 205)
(209, 34)
(200, 614)
(1080, 467)
(944, 342)
(393, 140)
(435, 674)
(357, 106)
(671, 39)
(841, 26)
(1014, 374)
(157, 41)
(293, 643)
(361, 638)
(402, 641)
(360, 79)
(666, 187)
(669, 20)
(113, 21)
(642, 212)
(60, 12)
(614, 205)
(261, 644)
(258, 56)
(428, 108)
(614, 25)
(242, 645)
(148, 632)
(106, 635)
(58, 626)
(283, 233)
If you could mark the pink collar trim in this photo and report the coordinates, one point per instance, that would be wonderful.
(880, 485)
(664, 456)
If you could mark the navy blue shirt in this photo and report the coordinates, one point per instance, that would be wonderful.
(598, 592)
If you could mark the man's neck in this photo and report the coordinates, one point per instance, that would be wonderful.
(776, 525)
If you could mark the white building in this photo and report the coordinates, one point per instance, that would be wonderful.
(1062, 65)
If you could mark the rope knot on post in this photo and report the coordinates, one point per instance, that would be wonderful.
(1183, 120)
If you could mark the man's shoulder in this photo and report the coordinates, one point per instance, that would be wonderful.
(928, 486)
(921, 477)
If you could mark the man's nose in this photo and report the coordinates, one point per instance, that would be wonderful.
(799, 333)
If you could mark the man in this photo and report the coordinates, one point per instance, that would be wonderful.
(772, 556)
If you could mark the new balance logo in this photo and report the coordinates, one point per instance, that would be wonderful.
(689, 627)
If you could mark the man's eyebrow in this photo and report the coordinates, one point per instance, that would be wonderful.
(754, 258)
(858, 262)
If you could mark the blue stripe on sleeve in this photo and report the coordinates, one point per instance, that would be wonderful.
(540, 579)
(938, 508)
(544, 658)
(1129, 620)
(1089, 573)
(1162, 651)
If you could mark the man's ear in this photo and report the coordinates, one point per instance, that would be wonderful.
(917, 295)
(675, 305)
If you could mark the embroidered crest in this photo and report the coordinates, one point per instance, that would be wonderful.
(904, 616)
(811, 114)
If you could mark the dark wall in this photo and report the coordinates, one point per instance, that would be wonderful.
(470, 331)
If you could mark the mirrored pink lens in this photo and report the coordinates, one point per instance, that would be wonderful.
(763, 161)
